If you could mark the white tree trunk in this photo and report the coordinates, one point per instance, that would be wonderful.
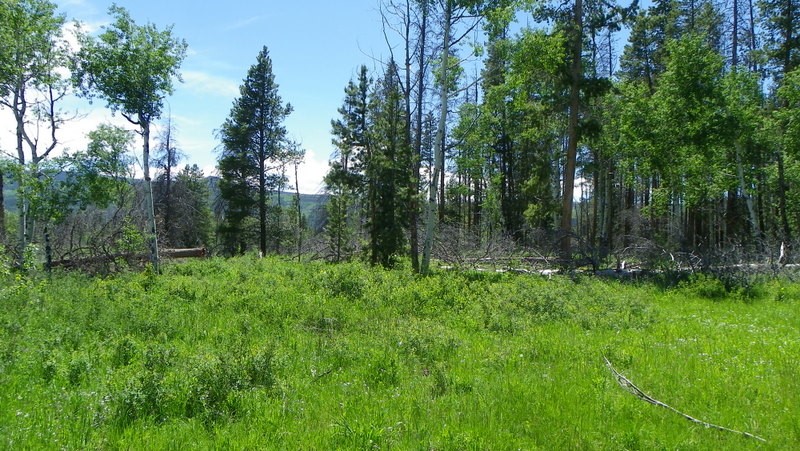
(149, 205)
(431, 218)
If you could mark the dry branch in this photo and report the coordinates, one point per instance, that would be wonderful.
(199, 252)
(630, 387)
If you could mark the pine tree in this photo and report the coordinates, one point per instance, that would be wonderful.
(345, 181)
(387, 170)
(192, 222)
(253, 138)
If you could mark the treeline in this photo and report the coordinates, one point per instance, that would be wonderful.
(564, 140)
(92, 205)
(493, 126)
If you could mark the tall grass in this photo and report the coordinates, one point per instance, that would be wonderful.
(261, 353)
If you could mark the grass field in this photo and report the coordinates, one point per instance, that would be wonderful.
(265, 354)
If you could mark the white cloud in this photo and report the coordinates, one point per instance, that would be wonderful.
(206, 84)
(71, 136)
(311, 172)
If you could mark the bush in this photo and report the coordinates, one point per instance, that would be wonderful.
(212, 390)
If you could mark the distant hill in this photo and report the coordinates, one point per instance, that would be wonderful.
(310, 204)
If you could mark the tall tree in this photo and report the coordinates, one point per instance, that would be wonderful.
(191, 213)
(576, 77)
(132, 67)
(782, 39)
(31, 51)
(438, 166)
(345, 181)
(452, 14)
(409, 19)
(253, 139)
(387, 170)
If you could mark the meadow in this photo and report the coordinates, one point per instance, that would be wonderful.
(254, 353)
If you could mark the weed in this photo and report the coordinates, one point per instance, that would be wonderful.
(77, 369)
(124, 352)
(258, 367)
(141, 397)
(249, 353)
(49, 367)
(346, 280)
(212, 388)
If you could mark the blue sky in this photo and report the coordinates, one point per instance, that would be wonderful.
(316, 47)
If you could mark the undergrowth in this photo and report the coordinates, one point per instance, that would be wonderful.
(261, 353)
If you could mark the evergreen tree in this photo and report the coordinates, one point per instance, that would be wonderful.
(192, 223)
(781, 25)
(346, 179)
(253, 138)
(387, 170)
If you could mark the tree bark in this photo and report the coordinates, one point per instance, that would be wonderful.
(430, 210)
(22, 199)
(417, 155)
(262, 205)
(756, 231)
(299, 210)
(144, 123)
(785, 229)
(572, 144)
(735, 35)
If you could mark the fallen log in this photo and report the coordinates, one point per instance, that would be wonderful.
(197, 252)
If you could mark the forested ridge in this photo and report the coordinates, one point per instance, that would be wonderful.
(582, 133)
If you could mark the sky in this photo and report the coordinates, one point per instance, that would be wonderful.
(316, 47)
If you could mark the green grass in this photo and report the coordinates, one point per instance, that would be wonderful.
(254, 354)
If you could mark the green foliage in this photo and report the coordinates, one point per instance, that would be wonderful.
(131, 66)
(100, 176)
(255, 148)
(386, 171)
(30, 62)
(372, 171)
(788, 117)
(318, 356)
(193, 218)
(131, 239)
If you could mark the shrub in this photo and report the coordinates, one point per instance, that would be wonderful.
(124, 352)
(77, 369)
(142, 396)
(345, 280)
(212, 389)
(258, 367)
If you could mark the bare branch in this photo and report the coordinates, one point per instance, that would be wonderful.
(630, 387)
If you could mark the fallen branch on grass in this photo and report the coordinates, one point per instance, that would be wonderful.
(630, 387)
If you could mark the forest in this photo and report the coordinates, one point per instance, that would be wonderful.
(565, 139)
(590, 133)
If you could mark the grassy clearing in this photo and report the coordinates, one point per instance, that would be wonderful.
(249, 353)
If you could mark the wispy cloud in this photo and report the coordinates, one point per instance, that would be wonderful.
(208, 84)
(244, 23)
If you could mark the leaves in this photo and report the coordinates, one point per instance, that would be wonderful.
(132, 67)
